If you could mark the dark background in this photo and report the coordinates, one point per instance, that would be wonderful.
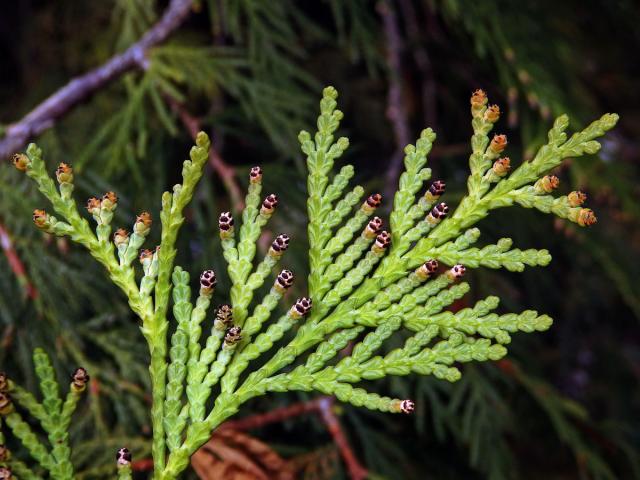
(564, 404)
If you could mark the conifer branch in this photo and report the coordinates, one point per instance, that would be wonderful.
(365, 284)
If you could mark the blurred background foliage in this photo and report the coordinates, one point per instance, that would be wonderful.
(565, 404)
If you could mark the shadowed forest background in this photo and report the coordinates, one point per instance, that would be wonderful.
(564, 404)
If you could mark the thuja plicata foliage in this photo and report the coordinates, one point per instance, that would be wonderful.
(368, 280)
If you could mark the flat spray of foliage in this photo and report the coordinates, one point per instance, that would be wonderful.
(365, 284)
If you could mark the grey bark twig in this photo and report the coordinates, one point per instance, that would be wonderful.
(44, 116)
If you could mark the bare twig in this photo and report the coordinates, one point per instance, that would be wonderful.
(226, 172)
(78, 89)
(423, 62)
(276, 415)
(396, 109)
(330, 419)
(16, 265)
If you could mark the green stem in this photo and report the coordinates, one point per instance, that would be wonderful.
(27, 401)
(124, 472)
(23, 432)
(156, 329)
(198, 434)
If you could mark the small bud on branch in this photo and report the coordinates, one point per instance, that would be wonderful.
(225, 224)
(109, 201)
(437, 213)
(269, 204)
(427, 269)
(371, 203)
(436, 190)
(546, 184)
(492, 114)
(121, 237)
(224, 317)
(456, 272)
(41, 219)
(232, 337)
(300, 308)
(6, 405)
(498, 144)
(143, 224)
(123, 457)
(383, 240)
(478, 102)
(79, 379)
(255, 175)
(21, 162)
(372, 228)
(64, 173)
(279, 245)
(208, 282)
(283, 281)
(5, 454)
(576, 198)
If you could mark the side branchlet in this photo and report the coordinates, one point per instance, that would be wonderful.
(53, 414)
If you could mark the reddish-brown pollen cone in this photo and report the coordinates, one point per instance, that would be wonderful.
(502, 166)
(120, 237)
(498, 143)
(478, 98)
(586, 217)
(143, 224)
(407, 406)
(576, 198)
(145, 254)
(64, 173)
(279, 245)
(21, 162)
(93, 205)
(492, 114)
(547, 184)
(40, 218)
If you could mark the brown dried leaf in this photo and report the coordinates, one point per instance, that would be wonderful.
(233, 455)
(321, 464)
